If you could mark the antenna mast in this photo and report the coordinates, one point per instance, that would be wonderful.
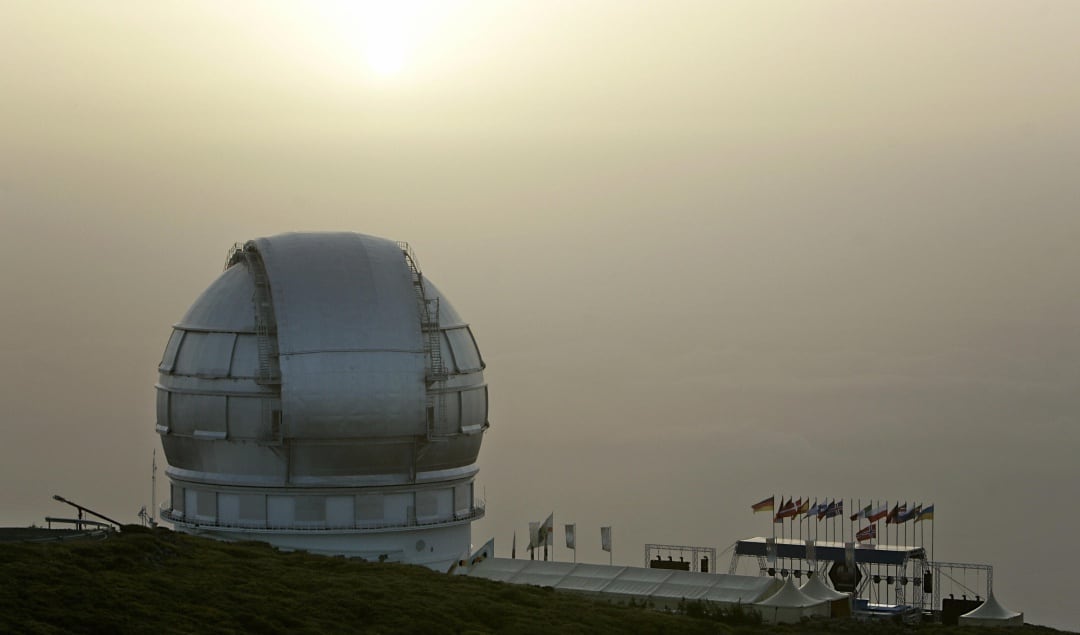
(153, 491)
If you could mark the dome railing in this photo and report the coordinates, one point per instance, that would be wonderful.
(476, 512)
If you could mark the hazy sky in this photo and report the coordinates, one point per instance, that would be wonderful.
(710, 250)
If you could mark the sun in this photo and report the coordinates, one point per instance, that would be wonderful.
(385, 53)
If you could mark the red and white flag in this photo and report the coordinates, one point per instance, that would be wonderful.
(788, 510)
(867, 533)
(879, 513)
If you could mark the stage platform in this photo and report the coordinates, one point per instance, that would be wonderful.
(897, 555)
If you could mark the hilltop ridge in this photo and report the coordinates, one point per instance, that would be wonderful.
(143, 580)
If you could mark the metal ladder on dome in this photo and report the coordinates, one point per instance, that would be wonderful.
(268, 372)
(428, 310)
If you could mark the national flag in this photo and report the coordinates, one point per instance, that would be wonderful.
(909, 514)
(893, 513)
(836, 508)
(879, 513)
(927, 513)
(570, 530)
(513, 546)
(605, 539)
(765, 505)
(867, 533)
(822, 509)
(804, 508)
(778, 517)
(862, 513)
(787, 510)
(534, 535)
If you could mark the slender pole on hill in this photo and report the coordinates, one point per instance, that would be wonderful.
(153, 490)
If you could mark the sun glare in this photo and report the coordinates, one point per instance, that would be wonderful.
(382, 36)
(386, 35)
(385, 53)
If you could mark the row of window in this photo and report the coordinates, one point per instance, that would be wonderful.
(321, 511)
(251, 417)
(237, 355)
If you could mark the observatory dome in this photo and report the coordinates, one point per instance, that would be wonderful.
(322, 394)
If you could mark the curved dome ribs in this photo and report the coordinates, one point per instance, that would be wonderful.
(269, 372)
(323, 394)
(428, 310)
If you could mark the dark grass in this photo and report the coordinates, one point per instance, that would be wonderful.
(164, 582)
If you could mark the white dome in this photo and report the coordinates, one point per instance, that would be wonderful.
(321, 382)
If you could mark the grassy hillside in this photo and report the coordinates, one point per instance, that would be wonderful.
(160, 581)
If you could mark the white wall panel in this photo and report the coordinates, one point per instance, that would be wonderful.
(339, 511)
(280, 511)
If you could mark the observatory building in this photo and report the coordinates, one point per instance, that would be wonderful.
(322, 394)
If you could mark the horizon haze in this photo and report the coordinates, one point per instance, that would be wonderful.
(710, 251)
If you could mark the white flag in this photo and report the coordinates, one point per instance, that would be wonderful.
(534, 535)
(570, 537)
(605, 538)
(548, 531)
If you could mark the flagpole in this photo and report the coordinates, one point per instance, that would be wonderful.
(772, 521)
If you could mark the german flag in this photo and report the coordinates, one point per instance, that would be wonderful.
(766, 505)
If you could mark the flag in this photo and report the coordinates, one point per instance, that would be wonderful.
(879, 513)
(534, 535)
(927, 513)
(765, 505)
(804, 508)
(547, 531)
(778, 518)
(824, 509)
(867, 533)
(605, 539)
(787, 510)
(570, 537)
(891, 517)
(513, 546)
(907, 515)
(862, 513)
(836, 508)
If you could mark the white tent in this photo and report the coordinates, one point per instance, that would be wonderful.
(789, 605)
(991, 613)
(662, 588)
(839, 603)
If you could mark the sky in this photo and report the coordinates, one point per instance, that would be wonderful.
(711, 251)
